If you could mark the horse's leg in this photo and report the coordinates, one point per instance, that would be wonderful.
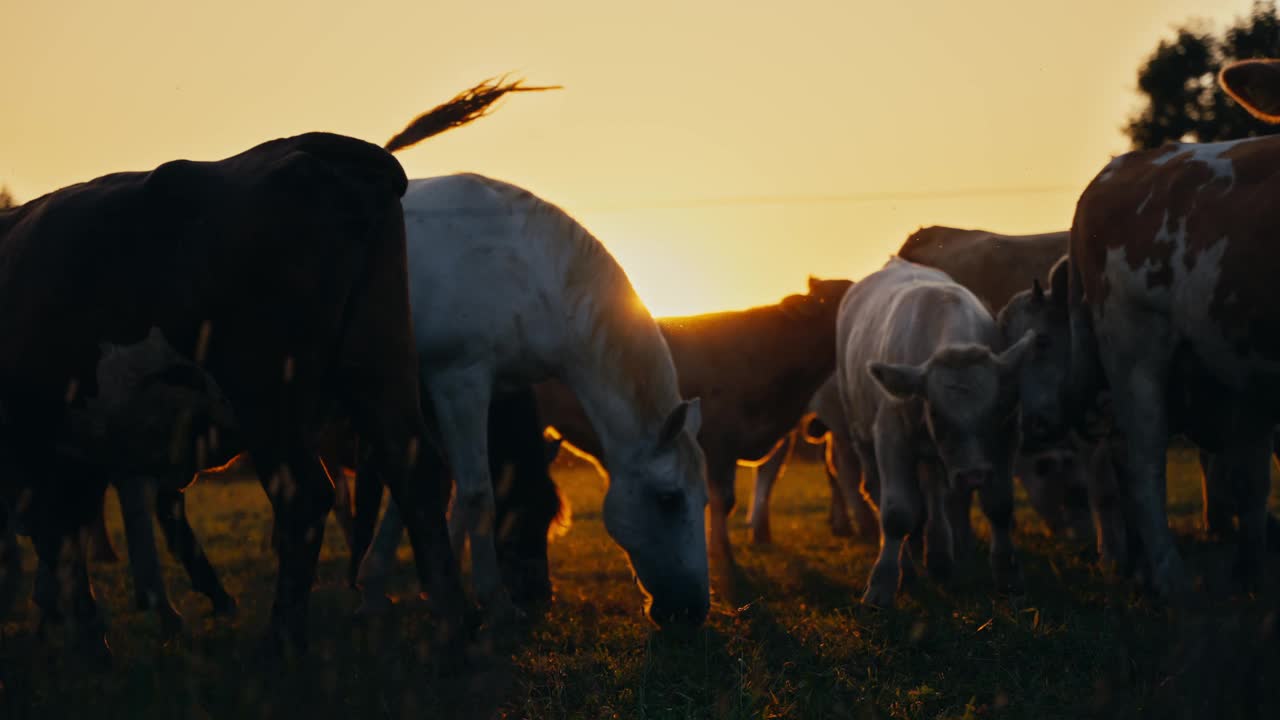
(343, 511)
(378, 562)
(461, 402)
(721, 473)
(767, 474)
(368, 501)
(99, 541)
(301, 497)
(171, 513)
(148, 582)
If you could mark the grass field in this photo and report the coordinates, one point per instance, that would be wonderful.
(788, 640)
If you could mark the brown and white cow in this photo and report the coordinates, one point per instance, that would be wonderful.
(922, 386)
(1173, 264)
(755, 370)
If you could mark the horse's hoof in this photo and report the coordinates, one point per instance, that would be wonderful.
(374, 603)
(94, 649)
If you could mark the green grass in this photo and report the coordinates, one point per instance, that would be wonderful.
(788, 640)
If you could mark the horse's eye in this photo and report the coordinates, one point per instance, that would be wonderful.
(670, 501)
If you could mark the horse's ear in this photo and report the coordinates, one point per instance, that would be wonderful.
(814, 284)
(1255, 84)
(686, 416)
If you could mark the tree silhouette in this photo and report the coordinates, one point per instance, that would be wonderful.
(1179, 82)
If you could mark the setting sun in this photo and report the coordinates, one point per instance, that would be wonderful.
(722, 157)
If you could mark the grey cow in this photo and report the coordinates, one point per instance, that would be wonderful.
(922, 388)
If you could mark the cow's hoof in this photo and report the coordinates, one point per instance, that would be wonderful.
(170, 623)
(940, 566)
(1008, 577)
(762, 535)
(1169, 579)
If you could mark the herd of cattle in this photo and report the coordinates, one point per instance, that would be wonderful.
(305, 304)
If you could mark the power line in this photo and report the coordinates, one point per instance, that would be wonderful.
(830, 199)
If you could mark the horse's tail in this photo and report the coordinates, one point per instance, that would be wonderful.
(466, 106)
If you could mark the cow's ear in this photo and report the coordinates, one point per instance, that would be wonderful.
(1255, 84)
(1011, 359)
(900, 381)
(1037, 291)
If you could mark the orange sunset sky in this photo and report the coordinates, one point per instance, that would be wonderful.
(722, 151)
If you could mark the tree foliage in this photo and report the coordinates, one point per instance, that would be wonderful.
(1178, 82)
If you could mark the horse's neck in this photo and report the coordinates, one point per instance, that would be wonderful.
(625, 393)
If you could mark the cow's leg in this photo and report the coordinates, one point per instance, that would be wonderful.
(900, 509)
(10, 563)
(959, 502)
(996, 499)
(1108, 507)
(461, 402)
(844, 490)
(171, 513)
(851, 481)
(721, 473)
(1219, 501)
(767, 474)
(86, 626)
(1138, 380)
(939, 553)
(1040, 477)
(301, 496)
(148, 582)
(99, 540)
(1248, 455)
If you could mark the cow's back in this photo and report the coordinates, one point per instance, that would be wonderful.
(994, 267)
(901, 314)
(1188, 231)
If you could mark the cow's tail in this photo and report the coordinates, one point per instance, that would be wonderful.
(466, 106)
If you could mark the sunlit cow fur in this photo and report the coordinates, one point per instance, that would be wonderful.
(1173, 264)
(922, 389)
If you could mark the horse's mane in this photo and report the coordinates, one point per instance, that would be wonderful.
(602, 303)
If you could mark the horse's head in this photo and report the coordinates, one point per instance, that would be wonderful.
(655, 509)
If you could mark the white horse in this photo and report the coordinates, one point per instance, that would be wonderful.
(507, 289)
